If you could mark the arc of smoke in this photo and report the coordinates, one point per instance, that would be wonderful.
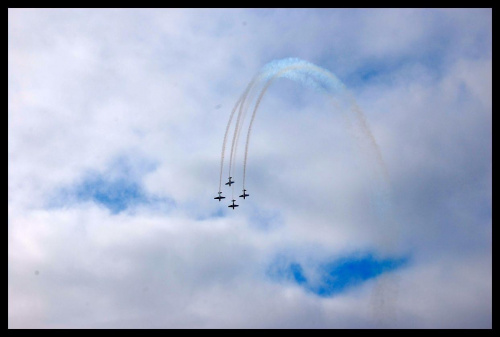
(243, 100)
(310, 77)
(239, 126)
(266, 72)
(250, 127)
(225, 141)
(302, 65)
(239, 120)
(240, 103)
(319, 78)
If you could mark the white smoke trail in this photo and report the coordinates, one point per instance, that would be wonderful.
(240, 120)
(318, 78)
(259, 99)
(225, 141)
(244, 101)
(385, 294)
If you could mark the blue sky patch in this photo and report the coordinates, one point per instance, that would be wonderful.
(116, 195)
(117, 188)
(328, 278)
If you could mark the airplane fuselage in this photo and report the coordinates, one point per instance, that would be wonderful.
(220, 196)
(233, 205)
(230, 182)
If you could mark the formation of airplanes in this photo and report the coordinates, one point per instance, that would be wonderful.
(233, 205)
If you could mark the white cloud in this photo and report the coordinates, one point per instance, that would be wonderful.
(156, 87)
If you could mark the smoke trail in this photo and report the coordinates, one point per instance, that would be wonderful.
(242, 101)
(363, 126)
(318, 78)
(246, 98)
(297, 70)
(243, 105)
(250, 128)
(308, 74)
(322, 80)
(240, 120)
(312, 76)
(225, 140)
(384, 296)
(268, 72)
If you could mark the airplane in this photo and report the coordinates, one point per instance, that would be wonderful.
(230, 182)
(220, 196)
(244, 195)
(233, 205)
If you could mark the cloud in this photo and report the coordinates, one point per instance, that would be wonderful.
(116, 118)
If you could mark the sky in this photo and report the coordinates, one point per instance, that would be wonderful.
(116, 119)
